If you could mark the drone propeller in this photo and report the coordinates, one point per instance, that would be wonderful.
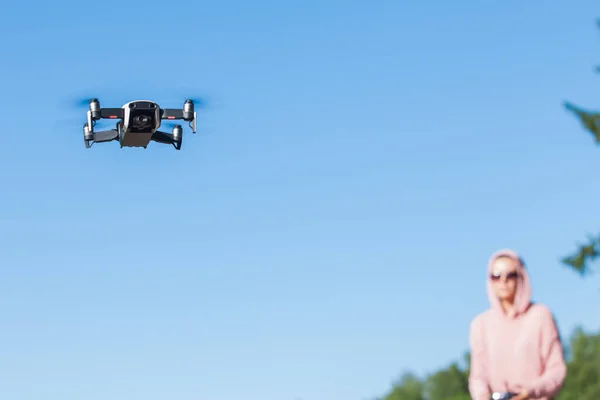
(173, 99)
(83, 102)
(198, 101)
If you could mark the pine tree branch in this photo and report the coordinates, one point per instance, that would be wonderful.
(590, 120)
(586, 254)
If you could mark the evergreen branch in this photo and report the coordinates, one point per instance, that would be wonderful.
(586, 254)
(589, 120)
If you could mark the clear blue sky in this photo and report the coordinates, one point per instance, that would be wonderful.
(329, 225)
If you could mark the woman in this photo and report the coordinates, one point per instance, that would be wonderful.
(515, 345)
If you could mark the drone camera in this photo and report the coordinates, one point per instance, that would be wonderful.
(143, 116)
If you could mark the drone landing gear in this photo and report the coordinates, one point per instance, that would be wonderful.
(174, 138)
(131, 139)
(91, 137)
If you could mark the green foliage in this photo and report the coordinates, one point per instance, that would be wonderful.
(580, 260)
(587, 253)
(451, 383)
(583, 378)
(408, 388)
(590, 120)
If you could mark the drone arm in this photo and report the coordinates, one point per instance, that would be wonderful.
(104, 113)
(168, 138)
(174, 114)
(171, 113)
(100, 136)
(106, 136)
(111, 113)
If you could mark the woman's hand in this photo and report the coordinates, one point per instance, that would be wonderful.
(524, 395)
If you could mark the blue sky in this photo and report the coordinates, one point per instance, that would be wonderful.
(328, 226)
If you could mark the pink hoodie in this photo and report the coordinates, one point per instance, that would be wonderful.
(510, 353)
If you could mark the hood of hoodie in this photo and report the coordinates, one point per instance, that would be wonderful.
(523, 293)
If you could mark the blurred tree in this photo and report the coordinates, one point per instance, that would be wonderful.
(409, 387)
(581, 259)
(583, 377)
(451, 383)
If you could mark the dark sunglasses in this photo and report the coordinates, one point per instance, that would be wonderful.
(510, 276)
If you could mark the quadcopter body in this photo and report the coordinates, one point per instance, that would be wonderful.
(138, 123)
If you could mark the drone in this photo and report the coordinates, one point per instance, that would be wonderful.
(138, 123)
